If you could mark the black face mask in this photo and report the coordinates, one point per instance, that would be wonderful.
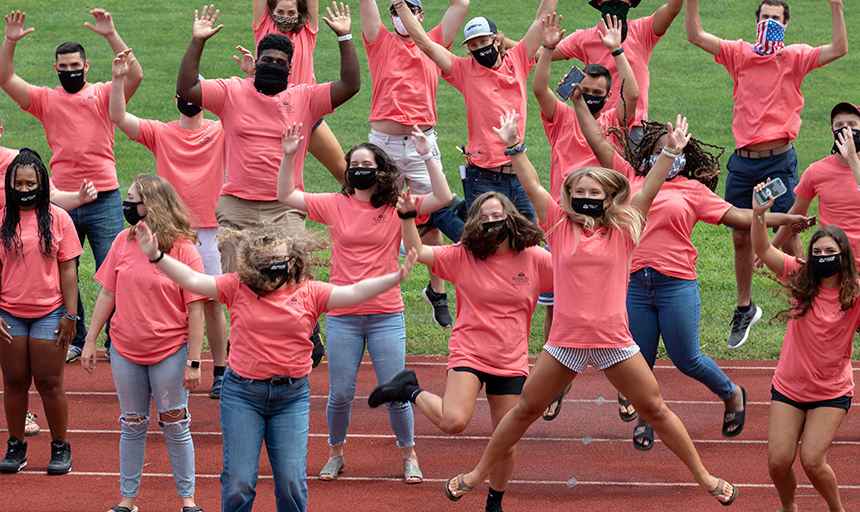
(276, 272)
(25, 199)
(826, 266)
(72, 81)
(361, 178)
(854, 132)
(593, 208)
(618, 9)
(595, 103)
(499, 227)
(129, 211)
(271, 78)
(186, 108)
(486, 56)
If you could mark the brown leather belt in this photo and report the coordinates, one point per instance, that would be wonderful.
(502, 169)
(756, 155)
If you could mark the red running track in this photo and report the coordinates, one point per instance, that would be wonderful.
(587, 442)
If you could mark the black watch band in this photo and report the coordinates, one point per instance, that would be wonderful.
(407, 215)
(160, 256)
(193, 364)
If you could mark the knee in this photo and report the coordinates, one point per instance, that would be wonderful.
(778, 464)
(453, 425)
(340, 398)
(173, 420)
(527, 409)
(134, 425)
(813, 464)
(653, 410)
(49, 384)
(16, 384)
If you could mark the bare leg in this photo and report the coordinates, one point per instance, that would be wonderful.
(501, 472)
(15, 363)
(786, 426)
(324, 146)
(547, 324)
(216, 331)
(743, 265)
(453, 413)
(47, 362)
(793, 246)
(818, 434)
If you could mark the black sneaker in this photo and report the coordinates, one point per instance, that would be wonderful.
(439, 302)
(61, 458)
(741, 323)
(319, 348)
(393, 390)
(16, 456)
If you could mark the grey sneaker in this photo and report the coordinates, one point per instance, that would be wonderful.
(16, 456)
(61, 458)
(73, 354)
(741, 323)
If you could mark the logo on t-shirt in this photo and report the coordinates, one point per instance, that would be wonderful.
(605, 235)
(206, 140)
(520, 279)
(779, 57)
(294, 303)
(286, 108)
(91, 100)
(380, 219)
(839, 314)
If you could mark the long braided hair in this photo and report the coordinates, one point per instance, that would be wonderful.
(10, 229)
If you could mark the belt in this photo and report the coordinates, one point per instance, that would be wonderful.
(278, 380)
(502, 169)
(756, 155)
(388, 137)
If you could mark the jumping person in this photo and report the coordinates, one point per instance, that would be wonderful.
(813, 382)
(38, 301)
(266, 395)
(764, 124)
(499, 270)
(405, 95)
(365, 243)
(592, 233)
(79, 132)
(157, 347)
(189, 153)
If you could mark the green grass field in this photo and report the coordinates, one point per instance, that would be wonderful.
(684, 79)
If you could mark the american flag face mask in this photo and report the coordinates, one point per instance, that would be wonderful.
(769, 36)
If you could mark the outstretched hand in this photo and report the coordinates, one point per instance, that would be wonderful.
(204, 24)
(406, 267)
(419, 140)
(405, 203)
(246, 62)
(146, 239)
(338, 19)
(508, 129)
(552, 34)
(87, 193)
(758, 208)
(291, 140)
(678, 136)
(104, 23)
(15, 26)
(611, 35)
(122, 63)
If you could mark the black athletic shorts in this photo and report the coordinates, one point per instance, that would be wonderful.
(496, 385)
(843, 402)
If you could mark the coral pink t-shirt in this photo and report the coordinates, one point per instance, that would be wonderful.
(404, 79)
(79, 132)
(591, 270)
(495, 301)
(838, 197)
(150, 322)
(815, 361)
(585, 46)
(269, 336)
(489, 93)
(766, 93)
(31, 282)
(6, 157)
(253, 123)
(570, 150)
(365, 243)
(192, 161)
(304, 41)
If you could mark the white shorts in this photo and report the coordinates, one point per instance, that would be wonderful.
(402, 151)
(208, 250)
(577, 359)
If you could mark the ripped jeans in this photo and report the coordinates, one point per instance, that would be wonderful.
(135, 385)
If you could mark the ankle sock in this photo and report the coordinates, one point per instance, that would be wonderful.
(745, 309)
(218, 371)
(494, 498)
(412, 391)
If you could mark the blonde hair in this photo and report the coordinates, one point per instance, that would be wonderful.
(619, 215)
(166, 214)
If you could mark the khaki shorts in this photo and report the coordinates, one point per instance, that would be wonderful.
(236, 213)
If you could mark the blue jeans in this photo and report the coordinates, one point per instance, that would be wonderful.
(253, 411)
(479, 180)
(448, 223)
(100, 222)
(658, 305)
(135, 385)
(384, 335)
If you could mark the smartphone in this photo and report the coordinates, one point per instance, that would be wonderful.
(566, 88)
(773, 188)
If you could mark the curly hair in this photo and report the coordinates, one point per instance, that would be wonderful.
(278, 42)
(387, 175)
(619, 215)
(524, 233)
(253, 244)
(804, 285)
(10, 229)
(166, 214)
(301, 7)
(702, 165)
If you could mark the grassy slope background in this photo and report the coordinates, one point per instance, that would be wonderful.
(684, 79)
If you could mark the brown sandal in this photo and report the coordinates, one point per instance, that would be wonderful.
(718, 491)
(462, 488)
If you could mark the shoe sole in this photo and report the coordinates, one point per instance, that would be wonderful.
(429, 303)
(754, 321)
(56, 472)
(9, 471)
(72, 360)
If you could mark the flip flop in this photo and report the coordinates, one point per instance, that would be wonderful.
(462, 488)
(643, 433)
(117, 508)
(195, 508)
(735, 418)
(626, 404)
(334, 467)
(718, 491)
(557, 402)
(410, 470)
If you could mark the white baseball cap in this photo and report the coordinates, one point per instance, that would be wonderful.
(478, 27)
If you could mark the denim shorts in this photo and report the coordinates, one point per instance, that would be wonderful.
(496, 385)
(745, 173)
(38, 328)
(842, 402)
(577, 359)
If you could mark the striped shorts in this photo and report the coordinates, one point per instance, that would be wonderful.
(577, 359)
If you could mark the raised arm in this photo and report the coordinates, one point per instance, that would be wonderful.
(769, 255)
(534, 35)
(104, 27)
(128, 123)
(371, 20)
(71, 200)
(411, 238)
(180, 273)
(350, 295)
(743, 218)
(611, 39)
(678, 138)
(291, 141)
(604, 152)
(800, 207)
(665, 15)
(696, 34)
(313, 14)
(437, 53)
(453, 20)
(12, 84)
(552, 35)
(188, 83)
(440, 193)
(846, 147)
(526, 172)
(260, 9)
(838, 46)
(350, 76)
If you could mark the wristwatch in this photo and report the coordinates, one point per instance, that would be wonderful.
(193, 364)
